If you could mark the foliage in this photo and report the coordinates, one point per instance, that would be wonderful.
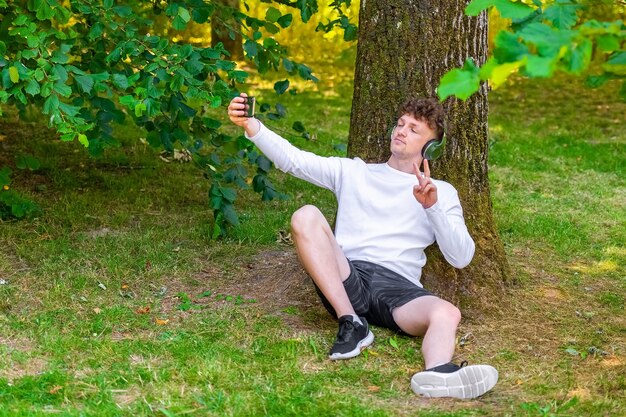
(544, 38)
(90, 64)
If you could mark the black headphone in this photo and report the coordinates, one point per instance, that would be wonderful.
(432, 149)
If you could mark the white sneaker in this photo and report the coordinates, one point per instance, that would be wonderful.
(455, 381)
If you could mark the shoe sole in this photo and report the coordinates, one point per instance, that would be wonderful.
(468, 382)
(356, 351)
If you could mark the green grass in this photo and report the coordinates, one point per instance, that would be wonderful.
(117, 301)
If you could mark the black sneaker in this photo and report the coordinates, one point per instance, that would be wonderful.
(455, 381)
(352, 338)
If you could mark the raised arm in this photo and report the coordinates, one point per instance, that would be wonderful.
(318, 170)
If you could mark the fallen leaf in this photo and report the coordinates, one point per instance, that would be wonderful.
(161, 322)
(55, 389)
(97, 310)
(124, 286)
(143, 310)
(373, 388)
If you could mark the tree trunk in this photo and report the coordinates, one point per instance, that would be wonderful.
(404, 48)
(225, 29)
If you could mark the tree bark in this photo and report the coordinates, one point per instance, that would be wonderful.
(225, 29)
(404, 48)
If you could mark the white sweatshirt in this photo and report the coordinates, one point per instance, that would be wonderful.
(378, 218)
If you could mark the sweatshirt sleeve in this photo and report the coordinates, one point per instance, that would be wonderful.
(451, 234)
(318, 170)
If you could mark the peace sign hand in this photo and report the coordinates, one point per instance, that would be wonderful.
(425, 192)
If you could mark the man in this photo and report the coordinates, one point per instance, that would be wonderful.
(369, 268)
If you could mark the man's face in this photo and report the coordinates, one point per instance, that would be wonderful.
(409, 136)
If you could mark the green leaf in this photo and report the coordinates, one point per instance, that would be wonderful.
(140, 108)
(230, 215)
(501, 73)
(263, 163)
(82, 138)
(44, 11)
(285, 20)
(513, 10)
(120, 81)
(617, 59)
(562, 15)
(393, 342)
(298, 127)
(14, 75)
(251, 48)
(596, 81)
(508, 47)
(580, 56)
(182, 18)
(477, 6)
(350, 33)
(272, 15)
(184, 14)
(51, 104)
(46, 89)
(32, 41)
(85, 83)
(123, 11)
(229, 194)
(461, 83)
(271, 28)
(288, 65)
(62, 89)
(608, 43)
(128, 101)
(538, 66)
(21, 19)
(27, 162)
(5, 176)
(69, 109)
(507, 8)
(281, 86)
(3, 48)
(96, 31)
(32, 87)
(215, 101)
(616, 63)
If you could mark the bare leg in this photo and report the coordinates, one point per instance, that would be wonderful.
(321, 256)
(435, 319)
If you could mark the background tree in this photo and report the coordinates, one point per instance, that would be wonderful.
(226, 29)
(404, 47)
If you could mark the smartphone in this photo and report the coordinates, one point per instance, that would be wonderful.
(250, 102)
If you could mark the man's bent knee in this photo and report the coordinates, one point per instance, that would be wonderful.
(446, 312)
(306, 217)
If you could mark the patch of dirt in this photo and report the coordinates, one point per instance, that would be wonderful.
(19, 369)
(275, 281)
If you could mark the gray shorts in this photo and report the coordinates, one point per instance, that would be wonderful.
(375, 291)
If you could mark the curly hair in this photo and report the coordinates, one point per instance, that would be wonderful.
(429, 110)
